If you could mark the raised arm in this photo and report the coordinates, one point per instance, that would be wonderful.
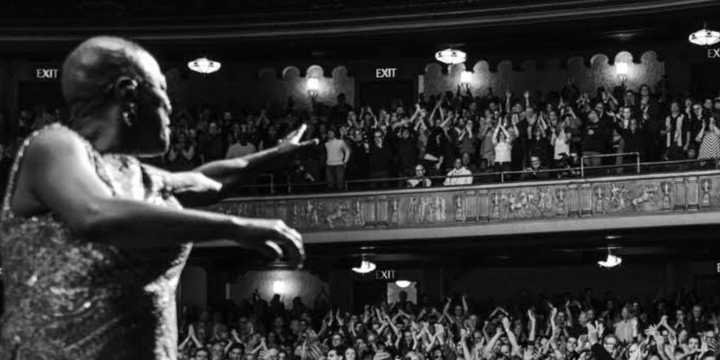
(532, 325)
(61, 177)
(463, 343)
(229, 171)
(511, 336)
(491, 344)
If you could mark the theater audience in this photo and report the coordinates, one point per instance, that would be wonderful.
(559, 327)
(487, 132)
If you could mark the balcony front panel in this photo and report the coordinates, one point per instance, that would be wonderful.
(489, 205)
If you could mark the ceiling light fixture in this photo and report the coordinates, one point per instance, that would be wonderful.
(366, 266)
(403, 283)
(451, 56)
(204, 65)
(705, 37)
(611, 261)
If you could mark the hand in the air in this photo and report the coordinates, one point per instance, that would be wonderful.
(191, 181)
(292, 141)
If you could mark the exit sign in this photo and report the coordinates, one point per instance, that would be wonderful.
(713, 53)
(385, 73)
(388, 274)
(46, 73)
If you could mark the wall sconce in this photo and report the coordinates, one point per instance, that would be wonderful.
(313, 86)
(280, 287)
(622, 69)
(466, 77)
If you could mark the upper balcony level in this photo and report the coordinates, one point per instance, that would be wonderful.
(603, 204)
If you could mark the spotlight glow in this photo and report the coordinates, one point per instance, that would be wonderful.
(403, 283)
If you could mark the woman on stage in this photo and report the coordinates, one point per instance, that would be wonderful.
(93, 241)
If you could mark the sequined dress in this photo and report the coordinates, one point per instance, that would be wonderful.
(68, 297)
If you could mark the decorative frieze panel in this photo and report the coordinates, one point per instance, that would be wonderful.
(621, 196)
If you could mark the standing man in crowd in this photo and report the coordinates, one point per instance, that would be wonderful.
(337, 156)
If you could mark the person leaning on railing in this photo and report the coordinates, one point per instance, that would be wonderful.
(535, 171)
(420, 179)
(459, 175)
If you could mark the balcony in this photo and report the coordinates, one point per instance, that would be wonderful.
(558, 206)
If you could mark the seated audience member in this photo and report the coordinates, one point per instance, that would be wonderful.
(536, 171)
(419, 180)
(459, 175)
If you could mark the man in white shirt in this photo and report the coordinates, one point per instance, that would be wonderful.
(338, 155)
(626, 327)
(459, 175)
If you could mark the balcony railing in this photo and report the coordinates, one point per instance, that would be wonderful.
(596, 201)
(269, 184)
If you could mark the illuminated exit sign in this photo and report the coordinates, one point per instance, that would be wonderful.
(46, 73)
(713, 53)
(385, 73)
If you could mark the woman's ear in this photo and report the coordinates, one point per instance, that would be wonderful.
(125, 89)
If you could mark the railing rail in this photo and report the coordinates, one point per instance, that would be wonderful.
(271, 185)
(602, 156)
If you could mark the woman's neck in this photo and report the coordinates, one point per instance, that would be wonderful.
(102, 135)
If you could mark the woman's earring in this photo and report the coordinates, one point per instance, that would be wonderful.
(126, 118)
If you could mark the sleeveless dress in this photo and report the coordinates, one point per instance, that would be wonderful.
(68, 297)
(710, 146)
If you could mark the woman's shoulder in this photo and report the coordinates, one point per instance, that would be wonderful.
(54, 140)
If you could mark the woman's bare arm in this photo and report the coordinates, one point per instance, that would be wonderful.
(61, 177)
(230, 171)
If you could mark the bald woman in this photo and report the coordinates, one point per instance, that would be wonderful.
(93, 241)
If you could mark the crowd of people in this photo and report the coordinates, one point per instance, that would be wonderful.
(452, 138)
(563, 327)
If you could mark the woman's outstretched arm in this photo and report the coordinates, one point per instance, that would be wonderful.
(230, 171)
(61, 178)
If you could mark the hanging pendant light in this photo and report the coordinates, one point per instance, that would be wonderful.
(611, 261)
(366, 266)
(451, 56)
(705, 37)
(204, 65)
